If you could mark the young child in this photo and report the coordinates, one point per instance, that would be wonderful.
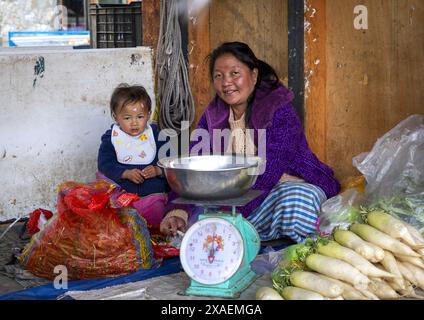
(129, 152)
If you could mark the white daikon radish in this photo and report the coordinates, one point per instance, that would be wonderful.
(350, 240)
(267, 293)
(315, 282)
(367, 293)
(413, 260)
(417, 272)
(406, 291)
(378, 253)
(294, 293)
(333, 249)
(418, 238)
(337, 269)
(381, 289)
(389, 263)
(390, 226)
(407, 274)
(382, 240)
(349, 292)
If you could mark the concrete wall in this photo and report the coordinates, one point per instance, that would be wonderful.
(53, 111)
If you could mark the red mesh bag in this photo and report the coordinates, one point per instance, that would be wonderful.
(90, 236)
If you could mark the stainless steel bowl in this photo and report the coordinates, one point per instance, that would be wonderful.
(213, 177)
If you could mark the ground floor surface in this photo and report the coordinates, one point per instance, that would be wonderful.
(166, 282)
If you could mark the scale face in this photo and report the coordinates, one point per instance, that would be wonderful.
(212, 251)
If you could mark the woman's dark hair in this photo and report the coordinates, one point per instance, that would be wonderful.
(242, 52)
(125, 94)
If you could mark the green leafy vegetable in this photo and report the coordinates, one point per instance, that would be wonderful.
(409, 208)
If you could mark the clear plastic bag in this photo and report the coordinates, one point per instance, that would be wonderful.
(266, 263)
(340, 211)
(394, 171)
(395, 165)
(394, 174)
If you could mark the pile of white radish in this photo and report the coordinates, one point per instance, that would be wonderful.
(382, 259)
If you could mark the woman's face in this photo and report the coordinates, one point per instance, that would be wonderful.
(233, 80)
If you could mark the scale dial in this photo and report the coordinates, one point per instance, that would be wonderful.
(211, 251)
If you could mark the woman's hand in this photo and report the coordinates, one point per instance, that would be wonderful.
(169, 226)
(134, 175)
(151, 172)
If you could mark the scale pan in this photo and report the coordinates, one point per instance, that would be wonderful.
(213, 177)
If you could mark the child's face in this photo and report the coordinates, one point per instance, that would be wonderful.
(132, 119)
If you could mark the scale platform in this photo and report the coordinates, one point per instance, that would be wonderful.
(233, 202)
(217, 250)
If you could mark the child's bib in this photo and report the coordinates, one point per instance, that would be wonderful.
(139, 149)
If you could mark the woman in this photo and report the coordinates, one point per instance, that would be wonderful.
(294, 183)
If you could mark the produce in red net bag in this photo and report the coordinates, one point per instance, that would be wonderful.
(89, 236)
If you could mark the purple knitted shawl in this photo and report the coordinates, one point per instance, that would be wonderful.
(287, 150)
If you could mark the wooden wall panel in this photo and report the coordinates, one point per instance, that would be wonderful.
(151, 22)
(374, 76)
(260, 23)
(359, 83)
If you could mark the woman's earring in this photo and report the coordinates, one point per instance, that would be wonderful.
(256, 75)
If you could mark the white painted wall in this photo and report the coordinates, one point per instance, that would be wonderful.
(51, 123)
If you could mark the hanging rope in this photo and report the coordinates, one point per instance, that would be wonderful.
(174, 94)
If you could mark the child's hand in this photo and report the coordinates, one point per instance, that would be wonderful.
(134, 175)
(151, 172)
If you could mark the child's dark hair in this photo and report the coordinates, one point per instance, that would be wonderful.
(125, 94)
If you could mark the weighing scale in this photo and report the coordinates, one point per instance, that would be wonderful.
(217, 250)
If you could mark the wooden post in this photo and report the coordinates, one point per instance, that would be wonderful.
(296, 55)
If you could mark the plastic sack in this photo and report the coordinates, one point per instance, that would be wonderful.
(395, 165)
(165, 246)
(37, 219)
(340, 211)
(394, 171)
(90, 236)
(266, 262)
